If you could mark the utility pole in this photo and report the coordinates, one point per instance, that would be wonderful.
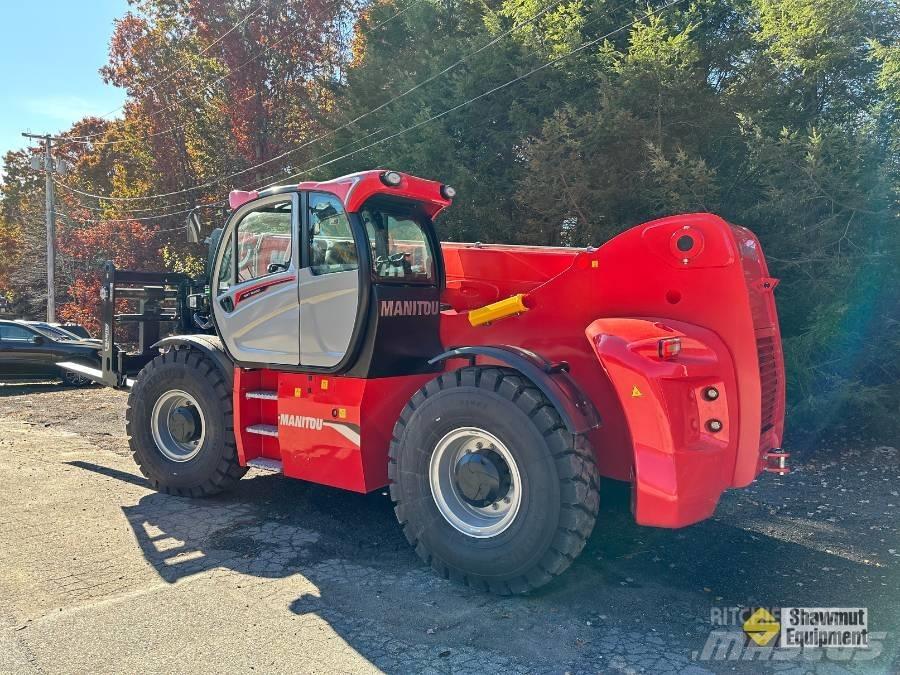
(49, 168)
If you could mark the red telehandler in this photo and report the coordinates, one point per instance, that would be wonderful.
(334, 339)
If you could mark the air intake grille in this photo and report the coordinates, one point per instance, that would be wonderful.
(768, 379)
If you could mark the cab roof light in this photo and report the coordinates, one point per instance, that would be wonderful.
(391, 178)
(669, 348)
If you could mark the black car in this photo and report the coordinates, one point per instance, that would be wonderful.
(32, 350)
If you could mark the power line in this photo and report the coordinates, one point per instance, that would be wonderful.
(488, 92)
(331, 132)
(154, 208)
(219, 202)
(402, 11)
(232, 71)
(444, 113)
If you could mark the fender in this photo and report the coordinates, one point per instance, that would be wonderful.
(681, 463)
(577, 411)
(208, 345)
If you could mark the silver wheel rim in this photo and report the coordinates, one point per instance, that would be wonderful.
(474, 521)
(161, 418)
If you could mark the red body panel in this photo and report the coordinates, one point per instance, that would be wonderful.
(331, 430)
(715, 295)
(601, 310)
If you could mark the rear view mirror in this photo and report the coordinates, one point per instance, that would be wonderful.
(193, 227)
(38, 340)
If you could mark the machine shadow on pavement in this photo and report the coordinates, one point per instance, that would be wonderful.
(631, 581)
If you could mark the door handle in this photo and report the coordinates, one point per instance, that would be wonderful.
(227, 303)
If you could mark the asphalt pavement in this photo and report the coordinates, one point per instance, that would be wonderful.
(99, 574)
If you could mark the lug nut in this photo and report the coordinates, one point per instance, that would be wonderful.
(714, 425)
(710, 393)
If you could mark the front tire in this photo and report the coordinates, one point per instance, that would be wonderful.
(489, 486)
(180, 427)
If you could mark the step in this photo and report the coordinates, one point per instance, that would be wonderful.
(266, 464)
(265, 395)
(263, 430)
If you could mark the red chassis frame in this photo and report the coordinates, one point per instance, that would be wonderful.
(603, 311)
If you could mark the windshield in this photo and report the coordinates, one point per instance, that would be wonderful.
(50, 332)
(400, 248)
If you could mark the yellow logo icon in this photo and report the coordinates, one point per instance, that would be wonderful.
(324, 384)
(761, 627)
(635, 392)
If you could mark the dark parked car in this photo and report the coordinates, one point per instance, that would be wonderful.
(32, 350)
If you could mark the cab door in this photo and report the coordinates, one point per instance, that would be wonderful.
(329, 283)
(255, 293)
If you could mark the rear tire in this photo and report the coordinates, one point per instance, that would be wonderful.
(529, 519)
(179, 385)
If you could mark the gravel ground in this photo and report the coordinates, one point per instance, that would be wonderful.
(100, 574)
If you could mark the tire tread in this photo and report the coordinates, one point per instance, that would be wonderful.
(573, 458)
(228, 471)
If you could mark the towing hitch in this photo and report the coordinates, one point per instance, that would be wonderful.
(776, 462)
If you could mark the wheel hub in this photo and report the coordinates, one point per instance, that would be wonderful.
(475, 482)
(482, 477)
(184, 423)
(177, 425)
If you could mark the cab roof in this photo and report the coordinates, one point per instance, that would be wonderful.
(356, 188)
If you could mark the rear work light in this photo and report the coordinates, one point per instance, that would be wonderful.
(447, 192)
(391, 178)
(669, 347)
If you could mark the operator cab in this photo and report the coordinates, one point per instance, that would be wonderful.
(342, 277)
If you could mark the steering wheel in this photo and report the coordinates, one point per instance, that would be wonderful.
(396, 259)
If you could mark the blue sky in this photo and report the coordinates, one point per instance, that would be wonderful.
(50, 52)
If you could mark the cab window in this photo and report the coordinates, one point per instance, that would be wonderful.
(226, 267)
(400, 249)
(331, 245)
(263, 242)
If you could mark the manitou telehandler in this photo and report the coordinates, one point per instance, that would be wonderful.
(335, 340)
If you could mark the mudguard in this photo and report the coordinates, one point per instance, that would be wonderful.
(209, 345)
(577, 411)
(681, 466)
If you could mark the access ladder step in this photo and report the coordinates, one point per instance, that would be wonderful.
(264, 395)
(266, 464)
(263, 430)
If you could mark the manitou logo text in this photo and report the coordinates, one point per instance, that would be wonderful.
(300, 422)
(410, 307)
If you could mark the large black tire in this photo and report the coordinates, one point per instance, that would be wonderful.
(215, 467)
(559, 481)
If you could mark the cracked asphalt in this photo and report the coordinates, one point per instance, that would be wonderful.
(100, 574)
